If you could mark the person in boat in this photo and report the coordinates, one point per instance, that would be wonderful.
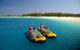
(45, 27)
(41, 26)
(30, 29)
(36, 31)
(43, 30)
(34, 28)
(31, 33)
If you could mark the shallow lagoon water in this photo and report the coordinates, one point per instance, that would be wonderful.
(12, 34)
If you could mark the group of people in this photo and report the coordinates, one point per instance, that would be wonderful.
(40, 28)
(37, 33)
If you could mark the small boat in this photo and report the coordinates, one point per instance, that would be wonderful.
(48, 33)
(32, 36)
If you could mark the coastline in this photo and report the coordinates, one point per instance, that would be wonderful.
(74, 19)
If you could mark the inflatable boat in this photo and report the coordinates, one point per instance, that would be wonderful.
(32, 36)
(51, 34)
(48, 33)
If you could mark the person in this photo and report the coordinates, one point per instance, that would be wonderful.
(30, 28)
(29, 31)
(48, 31)
(34, 28)
(43, 30)
(32, 33)
(45, 27)
(38, 34)
(41, 26)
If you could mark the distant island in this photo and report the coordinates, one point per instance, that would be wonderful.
(46, 14)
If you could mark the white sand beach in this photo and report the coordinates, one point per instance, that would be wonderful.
(74, 19)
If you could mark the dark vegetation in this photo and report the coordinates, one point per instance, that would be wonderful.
(51, 14)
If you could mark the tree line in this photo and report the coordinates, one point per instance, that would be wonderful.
(51, 14)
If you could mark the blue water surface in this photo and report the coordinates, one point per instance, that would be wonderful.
(12, 34)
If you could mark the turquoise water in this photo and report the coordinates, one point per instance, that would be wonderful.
(12, 34)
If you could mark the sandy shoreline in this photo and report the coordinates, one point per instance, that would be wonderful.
(74, 19)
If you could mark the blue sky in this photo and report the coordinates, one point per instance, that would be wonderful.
(19, 7)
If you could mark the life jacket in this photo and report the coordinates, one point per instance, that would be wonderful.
(41, 27)
(30, 28)
(34, 28)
